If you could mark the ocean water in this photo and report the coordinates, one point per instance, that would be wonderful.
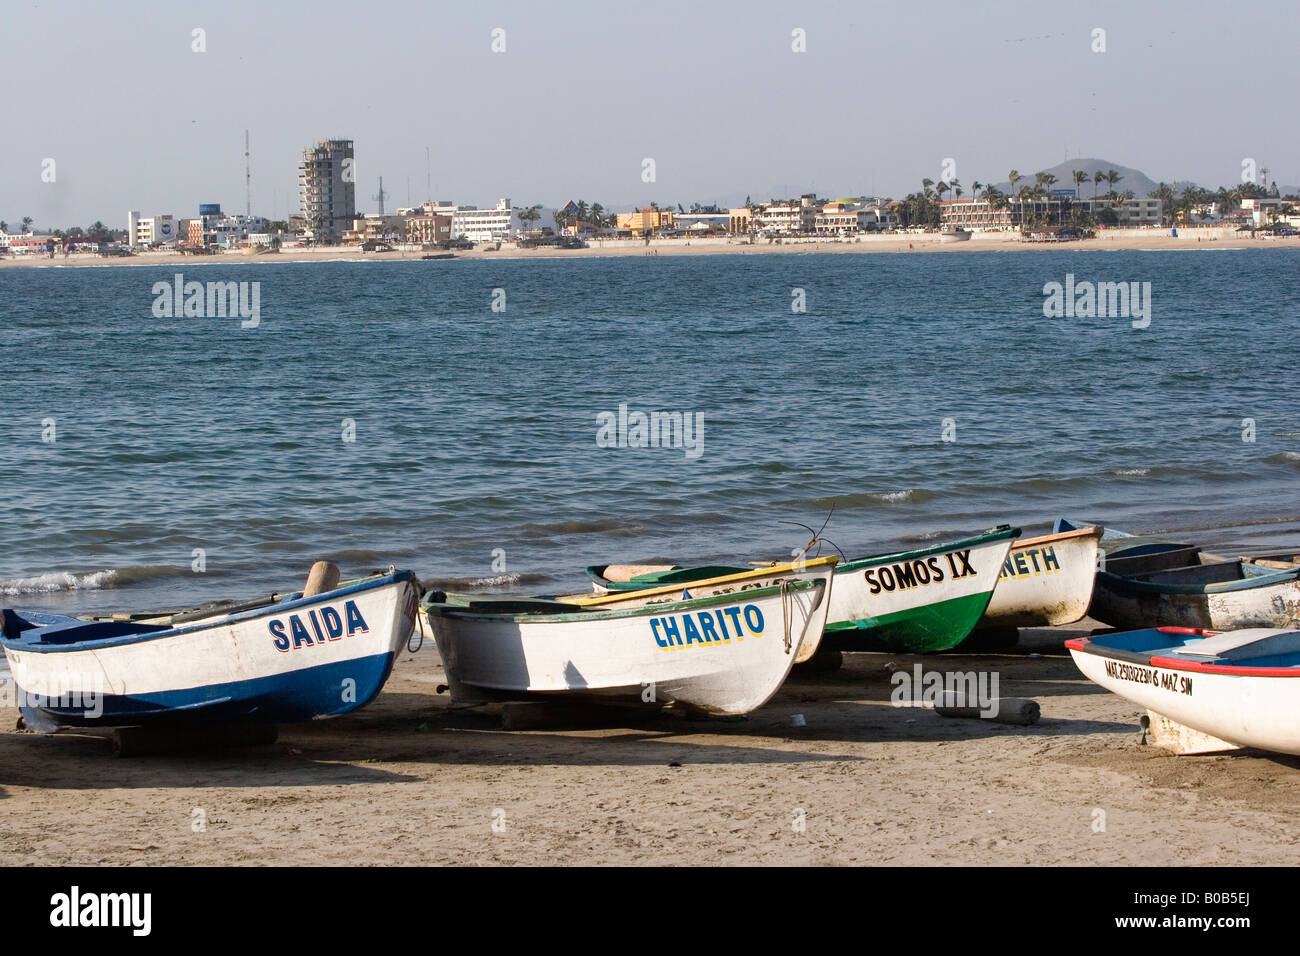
(193, 459)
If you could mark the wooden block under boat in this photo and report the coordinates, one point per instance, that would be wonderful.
(1181, 739)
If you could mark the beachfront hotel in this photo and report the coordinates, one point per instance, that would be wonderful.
(978, 215)
(499, 223)
(790, 218)
(150, 231)
(329, 193)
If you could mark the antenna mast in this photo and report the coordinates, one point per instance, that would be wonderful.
(248, 181)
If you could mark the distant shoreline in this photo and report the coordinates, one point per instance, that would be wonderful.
(1117, 239)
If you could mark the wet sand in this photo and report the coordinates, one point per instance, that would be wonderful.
(407, 781)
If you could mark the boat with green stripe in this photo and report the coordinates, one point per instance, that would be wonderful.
(723, 651)
(925, 599)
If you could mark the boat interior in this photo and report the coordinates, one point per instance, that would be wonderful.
(46, 629)
(1175, 565)
(1249, 647)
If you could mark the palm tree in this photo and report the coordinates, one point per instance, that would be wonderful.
(1097, 179)
(27, 224)
(1013, 177)
(1112, 177)
(1080, 177)
(4, 226)
(1026, 195)
(975, 188)
(527, 216)
(1167, 199)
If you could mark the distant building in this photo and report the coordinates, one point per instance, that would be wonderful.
(151, 231)
(846, 219)
(789, 218)
(1130, 212)
(29, 243)
(978, 215)
(326, 183)
(231, 231)
(428, 229)
(740, 220)
(644, 221)
(497, 224)
(376, 226)
(1266, 211)
(702, 223)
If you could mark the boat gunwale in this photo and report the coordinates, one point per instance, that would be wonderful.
(1001, 533)
(1253, 582)
(1093, 531)
(581, 612)
(780, 570)
(1085, 645)
(20, 644)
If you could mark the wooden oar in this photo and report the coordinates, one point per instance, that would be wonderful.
(599, 600)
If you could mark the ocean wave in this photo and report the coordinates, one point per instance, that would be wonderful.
(511, 579)
(614, 526)
(1129, 472)
(1284, 458)
(932, 535)
(54, 582)
(868, 498)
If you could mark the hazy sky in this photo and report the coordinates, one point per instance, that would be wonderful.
(712, 91)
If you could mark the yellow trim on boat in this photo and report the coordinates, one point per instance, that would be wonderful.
(776, 570)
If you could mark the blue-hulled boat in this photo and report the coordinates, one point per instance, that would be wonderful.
(281, 660)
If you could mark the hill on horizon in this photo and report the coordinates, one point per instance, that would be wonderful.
(1134, 180)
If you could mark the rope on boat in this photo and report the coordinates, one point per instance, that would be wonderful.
(419, 623)
(816, 540)
(786, 592)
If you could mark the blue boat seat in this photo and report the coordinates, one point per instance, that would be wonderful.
(1248, 642)
(77, 631)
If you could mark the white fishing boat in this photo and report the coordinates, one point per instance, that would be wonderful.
(1241, 688)
(1045, 580)
(721, 646)
(926, 599)
(1154, 582)
(286, 659)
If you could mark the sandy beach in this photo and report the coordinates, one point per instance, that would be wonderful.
(1113, 239)
(407, 781)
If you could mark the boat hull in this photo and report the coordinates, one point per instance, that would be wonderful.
(1045, 581)
(1248, 710)
(916, 601)
(1126, 603)
(636, 656)
(714, 580)
(227, 669)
